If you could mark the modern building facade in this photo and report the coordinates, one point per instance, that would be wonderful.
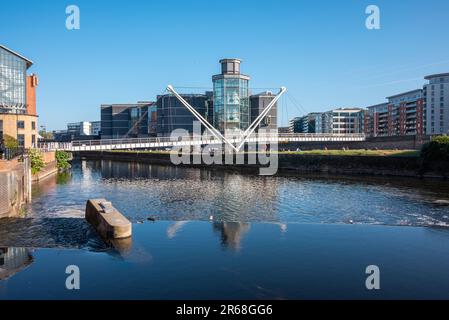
(172, 114)
(258, 103)
(315, 122)
(231, 98)
(343, 121)
(125, 120)
(95, 128)
(436, 96)
(402, 115)
(82, 128)
(284, 130)
(299, 125)
(18, 116)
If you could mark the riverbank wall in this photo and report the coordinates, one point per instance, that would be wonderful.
(297, 164)
(15, 186)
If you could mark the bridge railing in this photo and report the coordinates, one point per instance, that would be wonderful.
(161, 140)
(53, 146)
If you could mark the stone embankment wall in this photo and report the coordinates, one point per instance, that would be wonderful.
(15, 186)
(297, 163)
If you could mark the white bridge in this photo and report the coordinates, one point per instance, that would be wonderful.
(169, 142)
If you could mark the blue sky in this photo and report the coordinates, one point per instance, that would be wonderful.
(130, 50)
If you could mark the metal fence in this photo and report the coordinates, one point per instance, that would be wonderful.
(10, 153)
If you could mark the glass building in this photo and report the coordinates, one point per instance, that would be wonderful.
(13, 69)
(231, 98)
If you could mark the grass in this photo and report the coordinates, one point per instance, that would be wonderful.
(360, 152)
(142, 151)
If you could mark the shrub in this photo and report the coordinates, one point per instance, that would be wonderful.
(62, 160)
(437, 149)
(37, 160)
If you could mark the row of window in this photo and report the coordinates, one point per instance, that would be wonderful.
(21, 124)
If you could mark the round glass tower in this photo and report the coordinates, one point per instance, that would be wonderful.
(231, 98)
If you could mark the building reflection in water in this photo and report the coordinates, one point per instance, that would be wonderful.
(13, 260)
(231, 233)
(179, 193)
(283, 227)
(173, 229)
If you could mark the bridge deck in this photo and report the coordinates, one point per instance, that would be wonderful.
(167, 142)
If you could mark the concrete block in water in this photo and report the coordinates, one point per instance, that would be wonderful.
(107, 220)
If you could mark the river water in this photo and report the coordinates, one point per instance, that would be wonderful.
(140, 191)
(240, 236)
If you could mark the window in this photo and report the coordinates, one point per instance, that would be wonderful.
(21, 124)
(33, 125)
(21, 140)
(33, 139)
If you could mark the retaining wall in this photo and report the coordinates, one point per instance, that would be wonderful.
(15, 186)
(296, 163)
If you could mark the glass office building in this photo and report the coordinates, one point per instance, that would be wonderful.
(231, 98)
(12, 81)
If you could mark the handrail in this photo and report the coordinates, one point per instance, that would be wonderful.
(51, 146)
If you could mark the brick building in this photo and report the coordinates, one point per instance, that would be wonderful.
(18, 116)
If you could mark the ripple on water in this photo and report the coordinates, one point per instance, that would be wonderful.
(170, 193)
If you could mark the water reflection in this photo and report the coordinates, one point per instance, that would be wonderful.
(231, 233)
(179, 194)
(13, 260)
(174, 228)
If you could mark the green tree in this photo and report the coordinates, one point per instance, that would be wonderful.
(10, 142)
(46, 135)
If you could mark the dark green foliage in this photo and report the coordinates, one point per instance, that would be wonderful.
(437, 149)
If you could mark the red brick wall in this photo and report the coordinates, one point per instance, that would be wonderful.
(32, 83)
(402, 119)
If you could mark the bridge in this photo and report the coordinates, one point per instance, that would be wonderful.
(169, 142)
(216, 138)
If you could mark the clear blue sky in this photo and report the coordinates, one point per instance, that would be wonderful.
(130, 50)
